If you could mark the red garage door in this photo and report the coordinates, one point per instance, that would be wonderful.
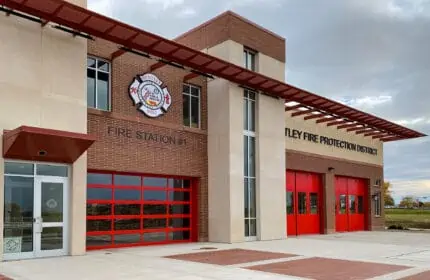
(304, 203)
(131, 210)
(351, 204)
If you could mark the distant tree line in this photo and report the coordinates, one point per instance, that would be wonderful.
(408, 201)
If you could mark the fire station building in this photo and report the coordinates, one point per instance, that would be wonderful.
(115, 137)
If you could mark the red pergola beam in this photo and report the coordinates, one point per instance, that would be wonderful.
(323, 120)
(314, 116)
(85, 22)
(382, 135)
(290, 108)
(364, 131)
(354, 128)
(190, 76)
(304, 112)
(157, 65)
(347, 125)
(117, 53)
(374, 133)
(388, 139)
(337, 122)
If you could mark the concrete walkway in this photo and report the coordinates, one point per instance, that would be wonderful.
(408, 253)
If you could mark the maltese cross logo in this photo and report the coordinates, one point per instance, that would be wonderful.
(147, 93)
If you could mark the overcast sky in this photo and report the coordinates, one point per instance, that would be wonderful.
(371, 54)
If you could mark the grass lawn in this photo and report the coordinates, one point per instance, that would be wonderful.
(409, 218)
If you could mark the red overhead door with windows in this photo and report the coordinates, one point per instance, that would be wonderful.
(351, 204)
(131, 210)
(304, 203)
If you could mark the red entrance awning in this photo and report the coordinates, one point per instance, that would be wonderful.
(40, 144)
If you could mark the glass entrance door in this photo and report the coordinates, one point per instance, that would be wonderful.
(50, 217)
(35, 211)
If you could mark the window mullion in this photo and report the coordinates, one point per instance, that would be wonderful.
(191, 109)
(96, 86)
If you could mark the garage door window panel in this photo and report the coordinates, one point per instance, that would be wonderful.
(134, 210)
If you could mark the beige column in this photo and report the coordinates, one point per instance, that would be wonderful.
(78, 198)
(329, 203)
(271, 193)
(225, 156)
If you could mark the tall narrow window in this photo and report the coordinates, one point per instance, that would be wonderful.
(249, 165)
(191, 105)
(377, 204)
(98, 83)
(249, 59)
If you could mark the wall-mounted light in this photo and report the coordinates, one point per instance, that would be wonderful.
(375, 196)
(377, 183)
(330, 169)
(42, 153)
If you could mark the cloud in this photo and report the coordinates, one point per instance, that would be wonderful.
(365, 102)
(165, 4)
(187, 12)
(417, 188)
(101, 6)
(413, 121)
(254, 3)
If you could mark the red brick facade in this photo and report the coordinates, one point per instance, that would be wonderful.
(180, 151)
(234, 27)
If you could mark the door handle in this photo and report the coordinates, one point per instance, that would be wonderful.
(38, 224)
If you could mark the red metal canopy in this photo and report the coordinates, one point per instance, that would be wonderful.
(79, 19)
(40, 144)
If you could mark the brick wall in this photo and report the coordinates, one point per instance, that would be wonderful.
(320, 164)
(128, 141)
(232, 26)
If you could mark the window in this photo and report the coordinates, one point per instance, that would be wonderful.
(360, 206)
(98, 84)
(249, 59)
(191, 105)
(377, 204)
(342, 204)
(249, 138)
(352, 204)
(302, 208)
(290, 203)
(314, 203)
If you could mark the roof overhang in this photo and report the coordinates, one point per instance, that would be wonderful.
(40, 144)
(85, 23)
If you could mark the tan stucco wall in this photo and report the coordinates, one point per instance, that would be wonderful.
(1, 201)
(233, 52)
(225, 155)
(228, 50)
(270, 67)
(271, 195)
(42, 84)
(322, 129)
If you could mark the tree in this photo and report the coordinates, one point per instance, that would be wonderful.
(388, 199)
(408, 202)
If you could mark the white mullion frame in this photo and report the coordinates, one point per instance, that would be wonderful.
(97, 70)
(190, 103)
(66, 193)
(250, 134)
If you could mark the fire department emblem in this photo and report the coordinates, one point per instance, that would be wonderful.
(147, 93)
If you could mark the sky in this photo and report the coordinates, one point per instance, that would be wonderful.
(371, 55)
